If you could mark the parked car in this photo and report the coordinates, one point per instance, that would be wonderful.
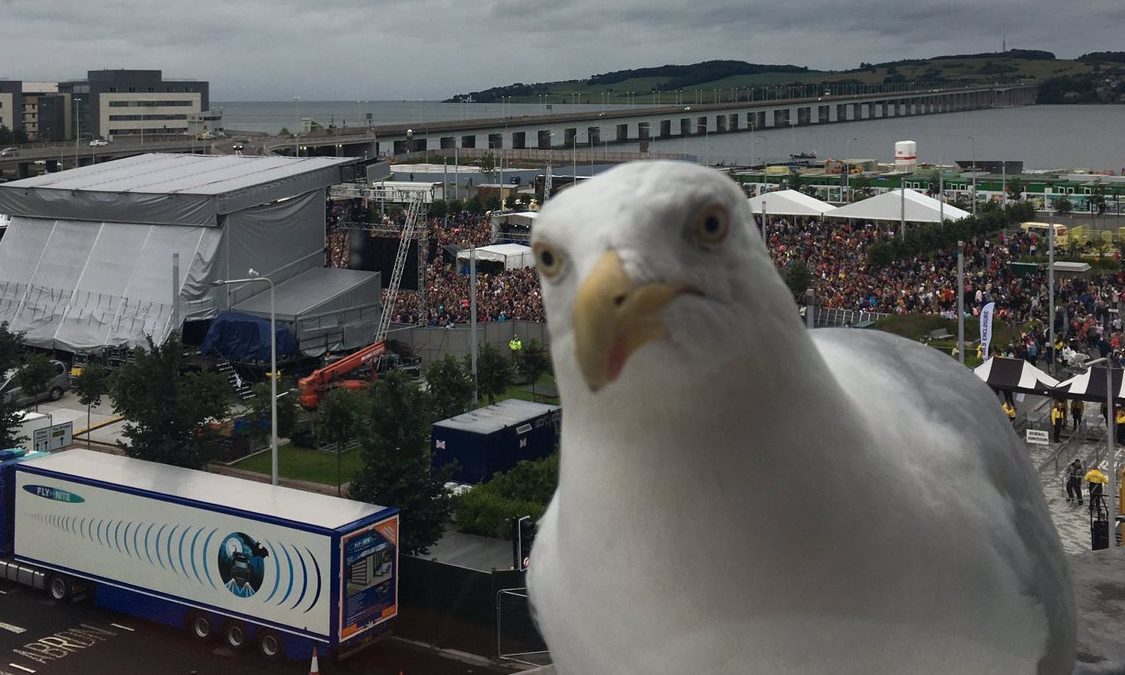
(58, 385)
(9, 152)
(97, 143)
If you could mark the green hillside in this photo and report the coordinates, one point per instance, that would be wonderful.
(1097, 76)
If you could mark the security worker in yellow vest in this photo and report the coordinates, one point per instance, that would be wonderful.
(515, 346)
(1058, 418)
(1077, 407)
(1010, 411)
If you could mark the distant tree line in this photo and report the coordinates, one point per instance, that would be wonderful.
(1096, 57)
(696, 73)
(9, 137)
(1029, 54)
(925, 240)
(1081, 88)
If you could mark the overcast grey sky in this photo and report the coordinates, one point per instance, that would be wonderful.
(431, 49)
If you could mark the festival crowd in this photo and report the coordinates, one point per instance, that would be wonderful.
(835, 254)
(501, 295)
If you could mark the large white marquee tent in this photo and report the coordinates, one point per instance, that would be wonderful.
(788, 203)
(891, 206)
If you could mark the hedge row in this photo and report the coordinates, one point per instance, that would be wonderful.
(924, 240)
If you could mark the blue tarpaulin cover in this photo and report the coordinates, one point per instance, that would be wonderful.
(243, 337)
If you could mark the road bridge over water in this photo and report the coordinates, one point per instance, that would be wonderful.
(589, 130)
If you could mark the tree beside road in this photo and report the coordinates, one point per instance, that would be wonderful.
(167, 405)
(90, 386)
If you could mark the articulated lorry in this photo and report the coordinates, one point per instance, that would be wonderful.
(247, 562)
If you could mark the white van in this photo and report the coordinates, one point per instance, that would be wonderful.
(1042, 230)
(58, 385)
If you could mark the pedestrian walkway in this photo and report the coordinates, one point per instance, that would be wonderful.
(1072, 520)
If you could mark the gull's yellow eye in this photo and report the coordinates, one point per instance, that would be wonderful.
(711, 226)
(548, 259)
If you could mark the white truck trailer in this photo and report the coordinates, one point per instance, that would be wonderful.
(278, 568)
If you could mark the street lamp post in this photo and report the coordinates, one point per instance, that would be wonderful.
(847, 170)
(1111, 451)
(1051, 292)
(961, 302)
(973, 140)
(253, 276)
(574, 158)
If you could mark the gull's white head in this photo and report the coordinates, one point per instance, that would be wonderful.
(654, 261)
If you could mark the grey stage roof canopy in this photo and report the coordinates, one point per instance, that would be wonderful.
(87, 258)
(330, 309)
(169, 189)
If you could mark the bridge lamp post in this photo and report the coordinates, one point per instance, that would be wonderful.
(251, 277)
(297, 128)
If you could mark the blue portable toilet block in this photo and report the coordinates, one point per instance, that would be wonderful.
(494, 438)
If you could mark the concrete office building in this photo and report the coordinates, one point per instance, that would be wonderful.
(11, 104)
(116, 103)
(46, 112)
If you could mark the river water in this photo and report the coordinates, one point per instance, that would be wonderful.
(1043, 137)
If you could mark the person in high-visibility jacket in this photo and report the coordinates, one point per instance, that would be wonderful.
(1119, 418)
(1058, 418)
(1009, 410)
(515, 344)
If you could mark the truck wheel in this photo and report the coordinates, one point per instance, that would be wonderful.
(269, 644)
(234, 634)
(201, 626)
(59, 588)
(56, 393)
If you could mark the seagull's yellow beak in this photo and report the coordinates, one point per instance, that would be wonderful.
(613, 316)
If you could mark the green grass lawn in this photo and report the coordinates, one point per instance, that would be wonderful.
(304, 464)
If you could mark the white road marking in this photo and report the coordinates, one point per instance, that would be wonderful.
(23, 668)
(117, 625)
(10, 627)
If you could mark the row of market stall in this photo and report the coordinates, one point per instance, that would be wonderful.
(898, 205)
(1017, 376)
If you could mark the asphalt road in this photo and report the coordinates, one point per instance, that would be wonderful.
(41, 637)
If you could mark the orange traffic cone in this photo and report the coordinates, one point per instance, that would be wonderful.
(314, 667)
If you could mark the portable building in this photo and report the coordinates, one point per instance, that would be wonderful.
(494, 438)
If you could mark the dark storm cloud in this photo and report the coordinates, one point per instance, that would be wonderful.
(382, 49)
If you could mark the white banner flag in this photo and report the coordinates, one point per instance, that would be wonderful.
(986, 327)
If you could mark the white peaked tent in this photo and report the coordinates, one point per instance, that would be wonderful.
(788, 203)
(889, 206)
